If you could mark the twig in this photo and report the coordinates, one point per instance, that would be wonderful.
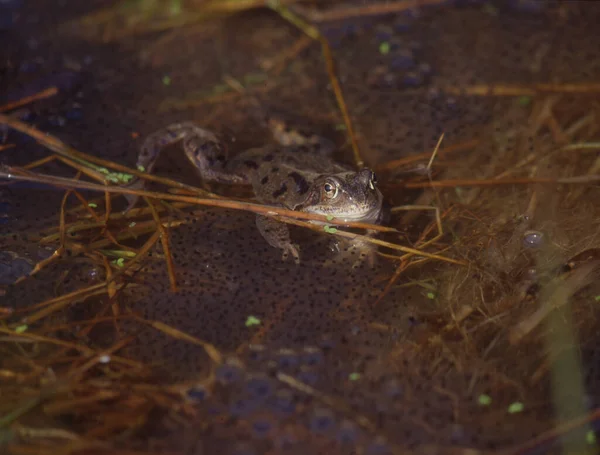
(291, 216)
(164, 238)
(44, 433)
(60, 250)
(512, 181)
(582, 146)
(393, 246)
(12, 174)
(47, 93)
(558, 293)
(43, 339)
(278, 64)
(520, 90)
(63, 149)
(210, 350)
(97, 358)
(389, 165)
(404, 263)
(20, 411)
(314, 33)
(435, 152)
(334, 404)
(52, 305)
(374, 9)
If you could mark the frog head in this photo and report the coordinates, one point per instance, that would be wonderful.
(349, 196)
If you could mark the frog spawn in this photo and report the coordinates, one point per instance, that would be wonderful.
(222, 282)
(371, 412)
(418, 398)
(275, 416)
(399, 394)
(415, 401)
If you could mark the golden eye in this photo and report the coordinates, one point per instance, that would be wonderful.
(331, 191)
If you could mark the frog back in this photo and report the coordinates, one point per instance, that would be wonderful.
(283, 176)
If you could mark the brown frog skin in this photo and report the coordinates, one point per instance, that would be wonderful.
(298, 173)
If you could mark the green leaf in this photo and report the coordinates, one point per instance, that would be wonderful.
(354, 376)
(219, 89)
(524, 101)
(484, 400)
(516, 407)
(124, 177)
(431, 295)
(254, 78)
(252, 320)
(384, 48)
(166, 80)
(118, 177)
(175, 8)
(92, 205)
(590, 437)
(21, 328)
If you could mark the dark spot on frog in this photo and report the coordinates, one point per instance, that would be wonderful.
(264, 180)
(280, 191)
(251, 164)
(269, 157)
(301, 184)
(202, 149)
(275, 169)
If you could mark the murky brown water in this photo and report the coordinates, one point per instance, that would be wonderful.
(445, 358)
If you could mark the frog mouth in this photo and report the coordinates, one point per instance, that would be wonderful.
(367, 214)
(367, 217)
(367, 211)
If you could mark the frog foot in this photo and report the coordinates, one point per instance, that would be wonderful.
(369, 257)
(277, 235)
(349, 250)
(291, 250)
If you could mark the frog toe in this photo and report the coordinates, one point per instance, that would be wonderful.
(368, 258)
(291, 250)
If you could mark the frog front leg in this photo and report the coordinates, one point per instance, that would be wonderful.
(278, 235)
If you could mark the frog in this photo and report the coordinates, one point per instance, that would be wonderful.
(296, 171)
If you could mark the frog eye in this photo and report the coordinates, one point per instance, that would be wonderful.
(331, 190)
